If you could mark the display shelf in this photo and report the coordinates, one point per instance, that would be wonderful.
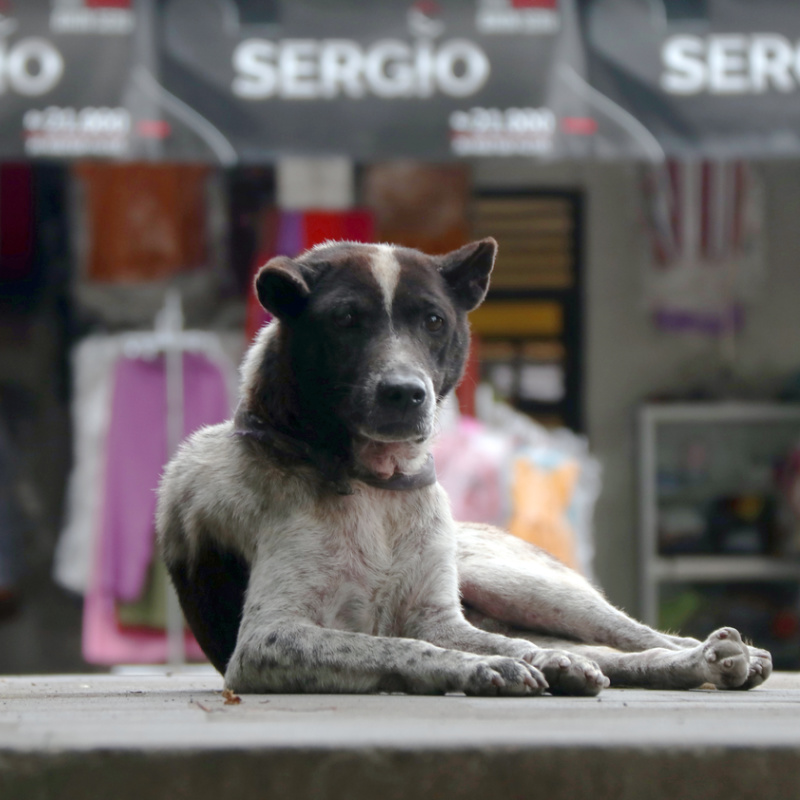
(707, 568)
(736, 446)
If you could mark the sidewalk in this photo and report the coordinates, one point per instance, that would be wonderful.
(149, 737)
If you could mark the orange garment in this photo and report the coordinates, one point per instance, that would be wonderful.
(425, 206)
(541, 499)
(145, 221)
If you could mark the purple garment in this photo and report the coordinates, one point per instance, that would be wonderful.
(136, 452)
(290, 234)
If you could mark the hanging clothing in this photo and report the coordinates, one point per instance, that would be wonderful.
(135, 453)
(471, 462)
(106, 550)
(705, 222)
(17, 225)
(92, 362)
(147, 221)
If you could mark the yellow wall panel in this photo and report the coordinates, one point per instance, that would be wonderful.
(518, 318)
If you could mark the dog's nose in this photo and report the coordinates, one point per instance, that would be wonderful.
(401, 393)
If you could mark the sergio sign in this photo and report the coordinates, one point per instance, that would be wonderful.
(371, 80)
(305, 69)
(730, 63)
(63, 77)
(714, 78)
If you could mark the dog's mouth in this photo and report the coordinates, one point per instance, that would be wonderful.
(386, 459)
(395, 433)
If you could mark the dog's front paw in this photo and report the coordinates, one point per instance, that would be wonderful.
(569, 673)
(499, 675)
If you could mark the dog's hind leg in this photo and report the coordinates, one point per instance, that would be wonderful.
(516, 583)
(505, 579)
(211, 591)
(722, 660)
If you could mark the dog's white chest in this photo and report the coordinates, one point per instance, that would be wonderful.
(374, 545)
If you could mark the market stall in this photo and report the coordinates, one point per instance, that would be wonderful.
(174, 145)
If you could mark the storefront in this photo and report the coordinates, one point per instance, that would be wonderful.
(620, 152)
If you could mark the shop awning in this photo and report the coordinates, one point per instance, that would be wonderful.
(693, 78)
(245, 81)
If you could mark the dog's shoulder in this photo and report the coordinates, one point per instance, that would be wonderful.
(228, 490)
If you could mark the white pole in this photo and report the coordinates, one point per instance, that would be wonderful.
(172, 320)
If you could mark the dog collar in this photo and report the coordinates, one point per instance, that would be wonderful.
(251, 426)
(400, 482)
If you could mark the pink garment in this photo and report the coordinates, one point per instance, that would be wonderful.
(136, 451)
(470, 465)
(104, 642)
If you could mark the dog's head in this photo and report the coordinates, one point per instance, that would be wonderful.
(375, 337)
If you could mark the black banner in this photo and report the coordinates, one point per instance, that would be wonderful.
(710, 78)
(435, 80)
(64, 71)
(244, 81)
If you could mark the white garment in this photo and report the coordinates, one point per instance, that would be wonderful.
(93, 361)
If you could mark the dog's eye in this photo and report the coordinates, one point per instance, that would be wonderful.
(433, 322)
(344, 319)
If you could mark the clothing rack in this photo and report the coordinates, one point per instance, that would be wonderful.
(105, 549)
(169, 338)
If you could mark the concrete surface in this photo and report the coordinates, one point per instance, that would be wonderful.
(129, 736)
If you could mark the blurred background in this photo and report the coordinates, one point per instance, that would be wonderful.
(632, 401)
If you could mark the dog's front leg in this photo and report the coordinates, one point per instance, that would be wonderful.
(298, 656)
(282, 646)
(564, 673)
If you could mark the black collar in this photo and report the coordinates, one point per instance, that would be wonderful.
(251, 426)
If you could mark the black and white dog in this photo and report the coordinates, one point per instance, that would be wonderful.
(312, 548)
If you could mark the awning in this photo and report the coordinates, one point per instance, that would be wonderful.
(246, 81)
(694, 78)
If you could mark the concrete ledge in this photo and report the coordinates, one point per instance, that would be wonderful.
(173, 737)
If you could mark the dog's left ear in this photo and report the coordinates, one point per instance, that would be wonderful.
(467, 271)
(280, 288)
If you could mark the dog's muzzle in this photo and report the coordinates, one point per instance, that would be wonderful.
(401, 408)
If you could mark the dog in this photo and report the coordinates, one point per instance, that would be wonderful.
(312, 548)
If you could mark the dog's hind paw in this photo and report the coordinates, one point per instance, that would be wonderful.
(570, 674)
(760, 668)
(726, 659)
(499, 675)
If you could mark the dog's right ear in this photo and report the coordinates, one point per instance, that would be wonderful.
(467, 271)
(281, 288)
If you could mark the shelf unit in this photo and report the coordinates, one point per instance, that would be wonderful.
(771, 428)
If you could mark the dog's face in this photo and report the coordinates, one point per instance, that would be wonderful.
(377, 334)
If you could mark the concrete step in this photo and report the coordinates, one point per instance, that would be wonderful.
(175, 736)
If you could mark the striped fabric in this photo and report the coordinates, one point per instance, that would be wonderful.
(704, 225)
